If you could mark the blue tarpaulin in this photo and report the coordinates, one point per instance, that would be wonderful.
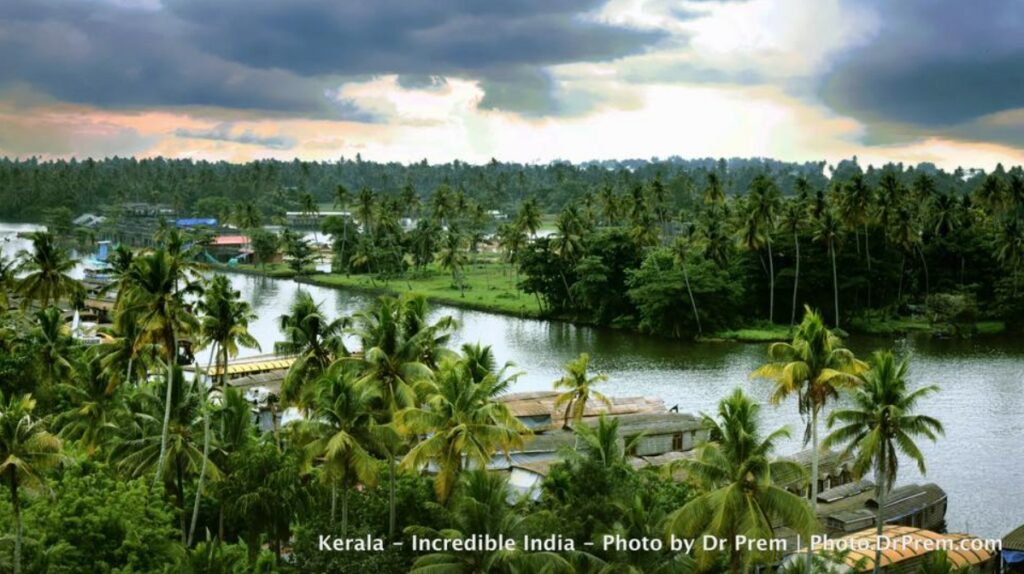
(196, 222)
(1013, 556)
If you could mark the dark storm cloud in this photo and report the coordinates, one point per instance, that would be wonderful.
(934, 63)
(284, 55)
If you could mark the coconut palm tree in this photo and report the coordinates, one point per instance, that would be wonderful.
(579, 389)
(764, 202)
(8, 281)
(480, 508)
(92, 420)
(156, 289)
(27, 449)
(53, 348)
(224, 323)
(315, 339)
(529, 216)
(794, 215)
(738, 497)
(224, 326)
(452, 256)
(342, 197)
(395, 345)
(461, 423)
(682, 248)
(814, 367)
(602, 442)
(145, 447)
(47, 268)
(882, 425)
(481, 363)
(714, 192)
(343, 425)
(829, 233)
(1010, 247)
(121, 358)
(568, 243)
(366, 205)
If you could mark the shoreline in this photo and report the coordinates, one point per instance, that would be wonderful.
(748, 334)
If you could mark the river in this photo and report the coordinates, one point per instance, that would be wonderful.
(979, 462)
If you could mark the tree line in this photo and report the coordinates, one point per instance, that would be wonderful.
(117, 459)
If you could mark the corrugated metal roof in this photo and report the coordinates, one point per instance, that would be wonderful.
(1014, 540)
(845, 491)
(918, 543)
(253, 365)
(653, 423)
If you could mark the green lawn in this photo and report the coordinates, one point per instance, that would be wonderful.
(275, 270)
(488, 287)
(755, 334)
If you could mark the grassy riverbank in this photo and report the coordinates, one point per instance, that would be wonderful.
(490, 286)
(486, 287)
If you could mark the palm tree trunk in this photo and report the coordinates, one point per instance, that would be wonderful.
(334, 501)
(202, 475)
(835, 285)
(814, 479)
(128, 372)
(693, 302)
(879, 517)
(344, 506)
(16, 507)
(771, 284)
(206, 455)
(391, 496)
(927, 282)
(568, 292)
(867, 254)
(180, 487)
(899, 290)
(172, 358)
(796, 278)
(344, 238)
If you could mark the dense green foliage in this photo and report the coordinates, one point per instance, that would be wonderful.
(115, 458)
(676, 248)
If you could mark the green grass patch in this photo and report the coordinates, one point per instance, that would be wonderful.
(275, 270)
(755, 334)
(487, 286)
(904, 325)
(990, 327)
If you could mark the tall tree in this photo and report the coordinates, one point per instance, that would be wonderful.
(829, 233)
(765, 200)
(881, 425)
(814, 367)
(27, 449)
(738, 497)
(579, 389)
(47, 272)
(343, 425)
(316, 341)
(157, 286)
(452, 257)
(462, 424)
(682, 248)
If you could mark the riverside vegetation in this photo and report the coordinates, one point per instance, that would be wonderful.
(113, 459)
(698, 248)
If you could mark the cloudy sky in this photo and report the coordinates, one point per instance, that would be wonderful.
(518, 80)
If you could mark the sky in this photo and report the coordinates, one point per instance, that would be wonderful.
(938, 81)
